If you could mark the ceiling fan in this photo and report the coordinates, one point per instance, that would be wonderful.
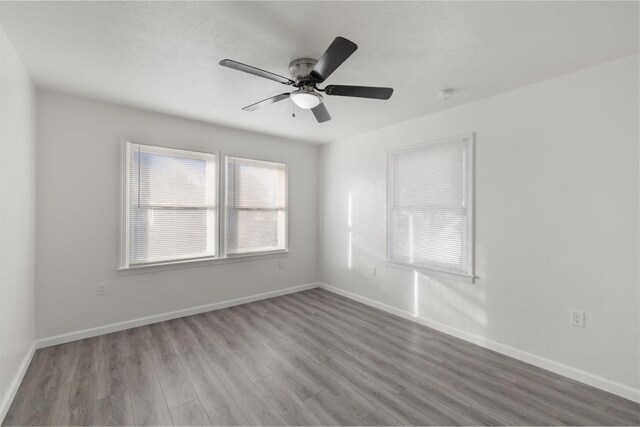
(306, 74)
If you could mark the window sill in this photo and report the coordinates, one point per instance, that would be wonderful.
(200, 262)
(256, 254)
(458, 277)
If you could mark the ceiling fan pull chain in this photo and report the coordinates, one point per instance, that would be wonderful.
(293, 110)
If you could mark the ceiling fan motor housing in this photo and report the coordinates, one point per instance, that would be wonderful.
(300, 69)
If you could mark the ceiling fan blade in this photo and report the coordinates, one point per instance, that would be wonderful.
(321, 113)
(255, 71)
(267, 101)
(337, 53)
(360, 91)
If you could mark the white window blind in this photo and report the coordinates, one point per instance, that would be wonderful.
(429, 206)
(255, 206)
(171, 204)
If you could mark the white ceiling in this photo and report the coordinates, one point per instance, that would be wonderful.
(164, 56)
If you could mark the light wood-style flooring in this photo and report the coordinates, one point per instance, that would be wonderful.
(310, 358)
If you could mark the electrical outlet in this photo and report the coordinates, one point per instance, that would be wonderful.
(577, 318)
(101, 289)
(373, 271)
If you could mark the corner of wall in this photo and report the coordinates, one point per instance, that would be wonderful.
(17, 221)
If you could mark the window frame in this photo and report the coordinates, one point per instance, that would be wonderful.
(223, 209)
(125, 264)
(469, 200)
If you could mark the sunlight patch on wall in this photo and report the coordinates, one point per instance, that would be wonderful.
(350, 248)
(415, 294)
(349, 218)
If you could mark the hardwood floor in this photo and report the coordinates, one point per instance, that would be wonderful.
(310, 358)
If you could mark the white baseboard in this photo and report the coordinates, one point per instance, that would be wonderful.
(115, 327)
(10, 393)
(541, 362)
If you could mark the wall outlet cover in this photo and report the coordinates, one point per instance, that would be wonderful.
(577, 318)
(101, 289)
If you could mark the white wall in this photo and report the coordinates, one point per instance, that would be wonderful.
(17, 219)
(556, 223)
(78, 231)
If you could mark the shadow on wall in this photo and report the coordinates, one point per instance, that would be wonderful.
(437, 300)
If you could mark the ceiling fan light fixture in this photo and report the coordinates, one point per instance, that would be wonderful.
(306, 99)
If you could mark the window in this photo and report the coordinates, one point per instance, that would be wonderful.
(170, 211)
(430, 218)
(256, 207)
(171, 207)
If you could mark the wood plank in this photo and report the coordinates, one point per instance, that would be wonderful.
(176, 387)
(190, 414)
(197, 332)
(249, 360)
(296, 380)
(275, 336)
(111, 375)
(288, 405)
(381, 398)
(114, 410)
(147, 399)
(337, 347)
(340, 409)
(82, 401)
(255, 407)
(216, 401)
(378, 418)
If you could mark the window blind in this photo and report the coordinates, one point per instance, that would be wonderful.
(255, 206)
(429, 198)
(171, 204)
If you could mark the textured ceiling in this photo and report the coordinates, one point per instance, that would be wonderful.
(164, 55)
